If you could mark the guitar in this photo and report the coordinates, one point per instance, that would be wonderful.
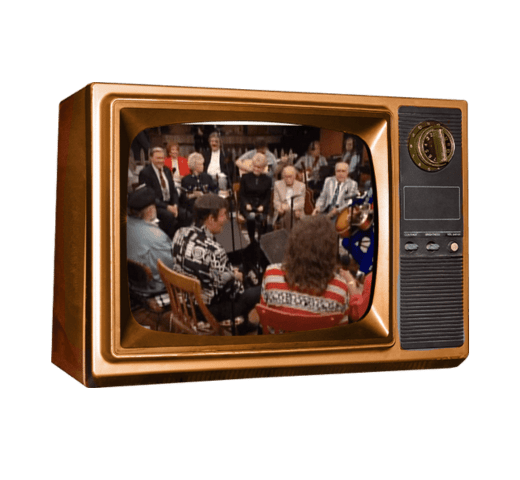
(357, 216)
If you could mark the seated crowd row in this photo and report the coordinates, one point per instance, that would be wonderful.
(178, 182)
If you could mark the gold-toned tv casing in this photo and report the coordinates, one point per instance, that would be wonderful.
(95, 338)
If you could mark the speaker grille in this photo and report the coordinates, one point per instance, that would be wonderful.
(409, 117)
(431, 302)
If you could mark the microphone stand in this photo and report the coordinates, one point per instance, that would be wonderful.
(231, 203)
(233, 208)
(292, 204)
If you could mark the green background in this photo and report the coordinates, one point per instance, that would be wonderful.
(442, 424)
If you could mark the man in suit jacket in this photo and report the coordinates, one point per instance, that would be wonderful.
(217, 162)
(284, 189)
(336, 192)
(159, 178)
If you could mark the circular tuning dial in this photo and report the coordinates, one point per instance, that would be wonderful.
(431, 146)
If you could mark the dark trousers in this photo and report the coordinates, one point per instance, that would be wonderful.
(169, 223)
(243, 304)
(255, 222)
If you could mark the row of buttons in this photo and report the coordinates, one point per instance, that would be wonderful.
(431, 247)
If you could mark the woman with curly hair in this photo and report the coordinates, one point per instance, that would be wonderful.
(308, 281)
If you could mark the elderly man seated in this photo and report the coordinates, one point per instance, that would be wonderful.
(159, 178)
(145, 241)
(289, 194)
(336, 193)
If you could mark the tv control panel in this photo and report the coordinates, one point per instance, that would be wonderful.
(430, 180)
(430, 308)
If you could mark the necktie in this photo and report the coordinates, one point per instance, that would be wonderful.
(163, 183)
(335, 197)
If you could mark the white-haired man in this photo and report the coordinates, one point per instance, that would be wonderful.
(286, 191)
(336, 192)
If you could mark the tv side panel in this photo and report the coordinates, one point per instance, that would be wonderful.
(432, 196)
(69, 308)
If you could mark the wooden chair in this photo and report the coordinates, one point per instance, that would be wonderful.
(144, 292)
(275, 321)
(186, 300)
(236, 193)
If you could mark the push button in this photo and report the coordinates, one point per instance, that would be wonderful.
(411, 247)
(453, 247)
(432, 247)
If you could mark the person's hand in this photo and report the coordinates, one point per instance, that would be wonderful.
(238, 274)
(332, 213)
(173, 209)
(353, 287)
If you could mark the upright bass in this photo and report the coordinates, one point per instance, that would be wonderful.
(309, 196)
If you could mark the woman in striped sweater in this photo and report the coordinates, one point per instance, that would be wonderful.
(308, 281)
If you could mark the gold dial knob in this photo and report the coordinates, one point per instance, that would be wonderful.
(431, 146)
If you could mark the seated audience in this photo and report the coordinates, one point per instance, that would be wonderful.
(336, 193)
(308, 281)
(284, 190)
(178, 165)
(352, 157)
(145, 241)
(218, 163)
(245, 164)
(196, 252)
(255, 197)
(310, 164)
(198, 182)
(158, 177)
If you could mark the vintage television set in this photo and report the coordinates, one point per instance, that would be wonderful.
(417, 316)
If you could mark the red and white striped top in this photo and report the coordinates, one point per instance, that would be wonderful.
(276, 293)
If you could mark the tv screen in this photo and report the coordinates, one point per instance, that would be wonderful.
(297, 233)
(302, 166)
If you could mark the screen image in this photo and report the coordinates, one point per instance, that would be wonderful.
(242, 215)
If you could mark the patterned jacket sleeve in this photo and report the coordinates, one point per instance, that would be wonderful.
(221, 270)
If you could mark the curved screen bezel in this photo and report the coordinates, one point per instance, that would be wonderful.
(120, 345)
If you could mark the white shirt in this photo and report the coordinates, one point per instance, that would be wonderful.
(214, 164)
(166, 189)
(288, 195)
(176, 177)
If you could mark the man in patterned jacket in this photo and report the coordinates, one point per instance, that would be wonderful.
(196, 252)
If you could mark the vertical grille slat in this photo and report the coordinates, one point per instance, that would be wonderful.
(431, 302)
